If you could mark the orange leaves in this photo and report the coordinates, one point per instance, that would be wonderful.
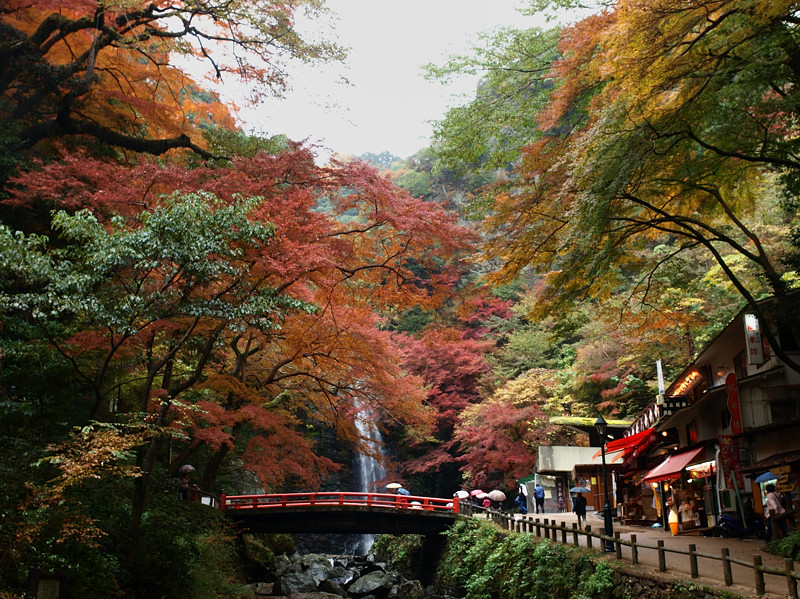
(577, 75)
(91, 452)
(223, 331)
(111, 70)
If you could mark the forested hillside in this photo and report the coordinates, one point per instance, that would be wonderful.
(175, 291)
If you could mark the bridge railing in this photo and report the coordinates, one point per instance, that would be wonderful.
(340, 498)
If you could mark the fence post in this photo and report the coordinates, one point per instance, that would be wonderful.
(662, 557)
(759, 576)
(791, 581)
(634, 551)
(618, 545)
(547, 529)
(693, 560)
(563, 533)
(588, 536)
(538, 528)
(575, 534)
(726, 566)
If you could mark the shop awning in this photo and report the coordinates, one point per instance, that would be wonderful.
(779, 459)
(671, 467)
(626, 445)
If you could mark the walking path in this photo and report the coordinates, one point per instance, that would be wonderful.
(711, 572)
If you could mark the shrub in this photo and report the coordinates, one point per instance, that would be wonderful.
(483, 563)
(788, 546)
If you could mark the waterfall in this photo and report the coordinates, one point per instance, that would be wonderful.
(368, 468)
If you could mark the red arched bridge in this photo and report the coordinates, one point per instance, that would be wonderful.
(341, 512)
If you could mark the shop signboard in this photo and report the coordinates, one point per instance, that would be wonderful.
(673, 404)
(733, 404)
(729, 461)
(755, 351)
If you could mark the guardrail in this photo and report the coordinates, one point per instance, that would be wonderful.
(552, 531)
(382, 500)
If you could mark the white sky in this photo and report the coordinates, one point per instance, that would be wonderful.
(389, 105)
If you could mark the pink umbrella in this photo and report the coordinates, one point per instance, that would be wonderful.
(475, 492)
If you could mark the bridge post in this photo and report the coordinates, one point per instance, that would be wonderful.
(222, 501)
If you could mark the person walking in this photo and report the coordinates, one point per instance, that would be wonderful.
(773, 511)
(538, 497)
(579, 507)
(522, 503)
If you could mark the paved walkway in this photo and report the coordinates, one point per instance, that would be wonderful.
(678, 565)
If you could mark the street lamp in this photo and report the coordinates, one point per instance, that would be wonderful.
(601, 425)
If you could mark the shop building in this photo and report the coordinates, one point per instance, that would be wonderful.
(560, 468)
(728, 424)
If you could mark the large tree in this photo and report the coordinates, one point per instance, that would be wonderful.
(234, 327)
(118, 71)
(667, 125)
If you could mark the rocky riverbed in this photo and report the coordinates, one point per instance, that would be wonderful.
(319, 576)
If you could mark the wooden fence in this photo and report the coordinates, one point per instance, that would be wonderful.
(559, 532)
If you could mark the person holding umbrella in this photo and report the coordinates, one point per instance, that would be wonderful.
(397, 489)
(579, 507)
(188, 490)
(497, 498)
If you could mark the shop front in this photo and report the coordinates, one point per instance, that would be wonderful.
(781, 470)
(683, 487)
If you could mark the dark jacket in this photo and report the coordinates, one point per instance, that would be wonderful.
(579, 505)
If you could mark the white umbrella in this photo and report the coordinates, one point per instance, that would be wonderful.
(461, 494)
(393, 486)
(497, 495)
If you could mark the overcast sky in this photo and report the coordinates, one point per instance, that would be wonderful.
(389, 104)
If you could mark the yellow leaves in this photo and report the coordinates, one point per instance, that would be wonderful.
(92, 452)
(534, 387)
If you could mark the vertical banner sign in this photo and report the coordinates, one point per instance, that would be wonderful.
(660, 374)
(755, 351)
(733, 404)
(729, 461)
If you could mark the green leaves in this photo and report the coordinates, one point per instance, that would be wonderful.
(489, 131)
(191, 257)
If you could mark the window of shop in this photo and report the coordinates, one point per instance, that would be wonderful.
(786, 339)
(782, 412)
(740, 365)
(691, 432)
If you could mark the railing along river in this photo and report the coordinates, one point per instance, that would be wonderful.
(553, 530)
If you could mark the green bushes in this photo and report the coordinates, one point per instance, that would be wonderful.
(788, 546)
(484, 563)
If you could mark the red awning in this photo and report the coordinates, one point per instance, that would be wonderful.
(671, 467)
(626, 445)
